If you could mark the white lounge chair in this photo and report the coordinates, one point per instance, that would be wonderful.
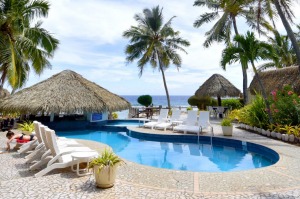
(191, 120)
(64, 145)
(175, 117)
(61, 159)
(203, 123)
(162, 118)
(32, 144)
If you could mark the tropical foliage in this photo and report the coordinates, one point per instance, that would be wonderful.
(232, 103)
(27, 126)
(285, 109)
(107, 159)
(145, 100)
(155, 43)
(24, 46)
(202, 102)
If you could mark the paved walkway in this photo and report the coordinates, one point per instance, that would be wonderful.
(281, 180)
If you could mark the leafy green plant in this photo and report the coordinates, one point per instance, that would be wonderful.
(107, 159)
(285, 106)
(201, 102)
(145, 100)
(234, 115)
(189, 108)
(26, 126)
(233, 103)
(115, 115)
(226, 122)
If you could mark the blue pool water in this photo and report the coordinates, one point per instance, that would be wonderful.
(124, 123)
(181, 156)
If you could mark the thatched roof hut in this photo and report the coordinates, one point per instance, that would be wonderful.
(64, 92)
(217, 86)
(277, 79)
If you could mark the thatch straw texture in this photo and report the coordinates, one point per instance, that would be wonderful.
(217, 85)
(277, 79)
(64, 92)
(4, 93)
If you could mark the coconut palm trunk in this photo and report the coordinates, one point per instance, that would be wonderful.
(244, 70)
(165, 85)
(289, 31)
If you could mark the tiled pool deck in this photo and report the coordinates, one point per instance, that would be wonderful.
(281, 180)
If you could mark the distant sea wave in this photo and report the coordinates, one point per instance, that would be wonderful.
(176, 100)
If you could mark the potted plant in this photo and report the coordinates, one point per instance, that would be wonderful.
(27, 127)
(105, 168)
(226, 127)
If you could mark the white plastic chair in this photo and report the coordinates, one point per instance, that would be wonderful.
(61, 159)
(162, 118)
(175, 117)
(190, 121)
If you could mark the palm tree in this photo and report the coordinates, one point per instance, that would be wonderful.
(286, 14)
(247, 49)
(221, 30)
(23, 46)
(283, 49)
(153, 42)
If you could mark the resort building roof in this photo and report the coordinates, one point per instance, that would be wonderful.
(277, 79)
(66, 92)
(217, 85)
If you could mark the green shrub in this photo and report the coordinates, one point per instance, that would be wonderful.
(189, 108)
(254, 114)
(145, 100)
(233, 103)
(285, 106)
(202, 102)
(226, 122)
(27, 126)
(114, 115)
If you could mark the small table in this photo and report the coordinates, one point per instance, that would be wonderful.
(80, 157)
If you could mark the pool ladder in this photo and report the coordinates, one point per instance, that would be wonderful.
(211, 135)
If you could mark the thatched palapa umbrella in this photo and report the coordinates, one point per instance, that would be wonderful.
(64, 92)
(277, 79)
(217, 86)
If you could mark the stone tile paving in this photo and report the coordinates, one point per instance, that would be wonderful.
(281, 180)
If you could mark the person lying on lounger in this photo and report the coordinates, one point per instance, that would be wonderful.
(21, 138)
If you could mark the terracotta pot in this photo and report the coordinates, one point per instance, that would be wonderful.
(227, 130)
(106, 177)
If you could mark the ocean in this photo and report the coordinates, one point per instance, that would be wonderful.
(157, 100)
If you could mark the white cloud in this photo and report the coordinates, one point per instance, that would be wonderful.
(91, 43)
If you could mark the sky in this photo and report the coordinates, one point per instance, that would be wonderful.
(91, 44)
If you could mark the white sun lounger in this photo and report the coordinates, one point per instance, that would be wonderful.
(64, 145)
(162, 118)
(191, 120)
(175, 117)
(32, 144)
(61, 159)
(203, 123)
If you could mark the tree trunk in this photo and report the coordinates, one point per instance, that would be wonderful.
(244, 70)
(165, 85)
(289, 31)
(263, 93)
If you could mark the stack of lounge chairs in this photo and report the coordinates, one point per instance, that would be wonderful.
(50, 152)
(192, 124)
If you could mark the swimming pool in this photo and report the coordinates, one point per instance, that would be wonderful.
(124, 123)
(180, 153)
